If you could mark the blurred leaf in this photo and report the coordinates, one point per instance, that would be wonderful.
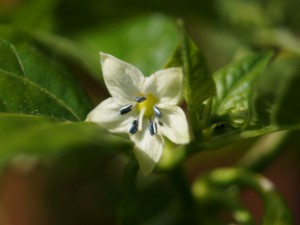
(247, 14)
(221, 189)
(34, 134)
(95, 12)
(145, 41)
(273, 101)
(234, 83)
(29, 14)
(41, 83)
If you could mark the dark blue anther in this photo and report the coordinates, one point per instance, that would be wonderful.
(140, 99)
(125, 109)
(157, 111)
(152, 127)
(134, 127)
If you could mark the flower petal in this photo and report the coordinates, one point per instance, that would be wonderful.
(174, 124)
(107, 115)
(166, 85)
(148, 149)
(122, 79)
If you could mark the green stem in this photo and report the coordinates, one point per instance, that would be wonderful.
(240, 214)
(182, 186)
(129, 201)
(219, 184)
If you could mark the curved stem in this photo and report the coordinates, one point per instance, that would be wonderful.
(215, 184)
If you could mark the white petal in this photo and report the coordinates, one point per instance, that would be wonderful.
(148, 149)
(108, 116)
(166, 85)
(174, 124)
(122, 79)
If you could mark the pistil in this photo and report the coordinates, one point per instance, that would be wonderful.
(148, 105)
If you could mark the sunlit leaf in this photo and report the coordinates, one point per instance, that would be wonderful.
(234, 85)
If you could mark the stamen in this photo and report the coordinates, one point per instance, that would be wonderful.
(134, 127)
(152, 127)
(140, 99)
(125, 109)
(157, 111)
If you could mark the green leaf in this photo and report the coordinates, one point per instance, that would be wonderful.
(68, 50)
(273, 102)
(198, 83)
(42, 135)
(234, 83)
(25, 63)
(9, 60)
(231, 112)
(18, 95)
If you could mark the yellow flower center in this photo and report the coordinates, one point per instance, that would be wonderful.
(148, 105)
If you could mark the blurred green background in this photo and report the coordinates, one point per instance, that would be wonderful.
(84, 186)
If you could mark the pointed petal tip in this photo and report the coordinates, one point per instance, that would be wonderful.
(89, 116)
(176, 127)
(102, 53)
(145, 162)
(148, 150)
(103, 56)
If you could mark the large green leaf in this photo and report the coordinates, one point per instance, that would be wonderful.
(33, 66)
(9, 60)
(144, 41)
(34, 134)
(19, 95)
(86, 61)
(234, 83)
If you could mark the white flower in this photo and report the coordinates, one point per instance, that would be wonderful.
(144, 107)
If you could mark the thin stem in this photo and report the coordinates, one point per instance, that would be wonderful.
(129, 201)
(182, 186)
(264, 151)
